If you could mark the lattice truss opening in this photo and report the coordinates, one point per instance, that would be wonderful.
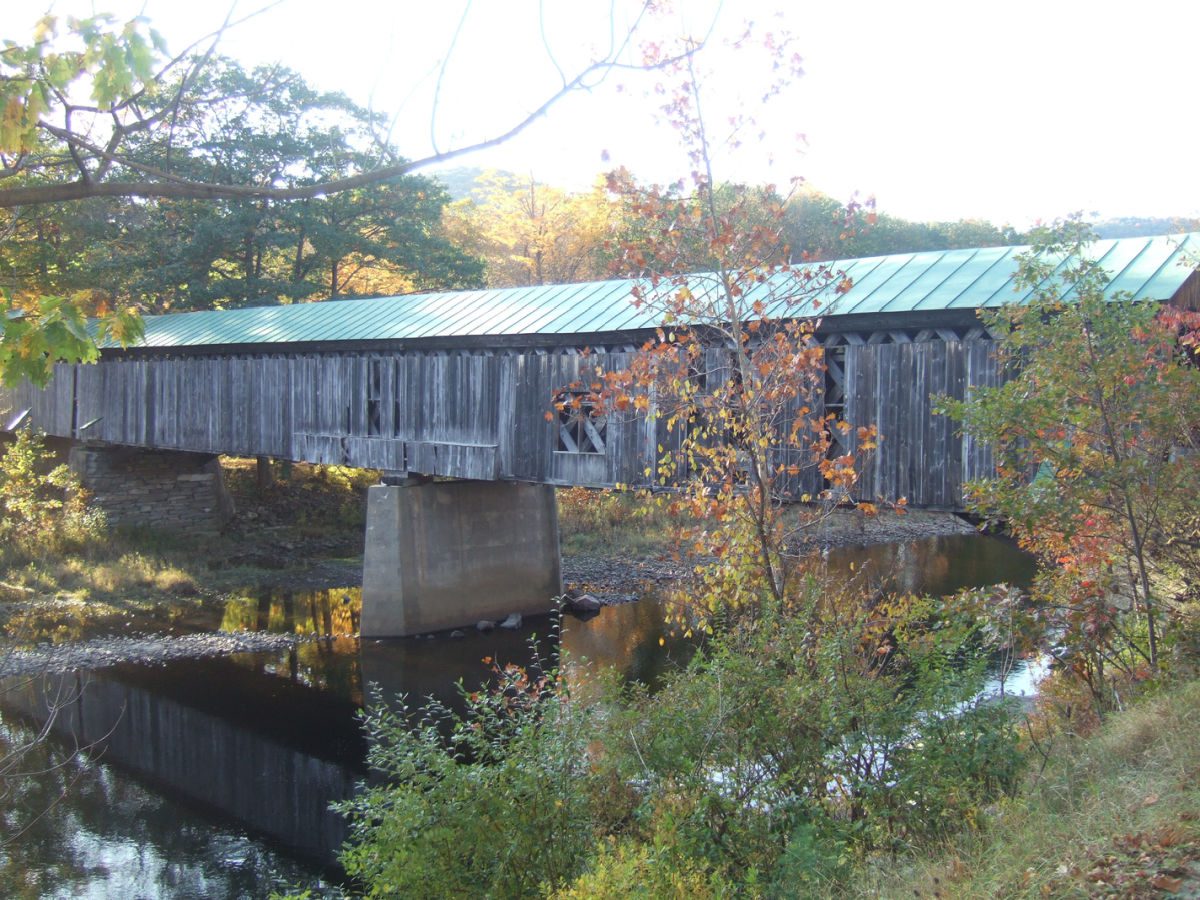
(580, 430)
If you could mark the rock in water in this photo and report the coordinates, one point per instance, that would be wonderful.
(513, 622)
(583, 603)
(485, 625)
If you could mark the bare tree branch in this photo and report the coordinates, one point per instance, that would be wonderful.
(161, 183)
(437, 90)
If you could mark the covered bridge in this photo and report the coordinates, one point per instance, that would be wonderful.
(458, 383)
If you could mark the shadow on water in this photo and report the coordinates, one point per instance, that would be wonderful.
(260, 744)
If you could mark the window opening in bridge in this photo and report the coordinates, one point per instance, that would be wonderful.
(835, 402)
(374, 397)
(580, 430)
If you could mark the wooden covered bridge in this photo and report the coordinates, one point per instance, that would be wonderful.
(458, 384)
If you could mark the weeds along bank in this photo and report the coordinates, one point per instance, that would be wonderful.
(63, 569)
(791, 747)
(1115, 813)
(837, 750)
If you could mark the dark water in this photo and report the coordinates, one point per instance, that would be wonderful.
(214, 777)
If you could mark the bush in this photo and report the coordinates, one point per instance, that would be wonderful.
(789, 748)
(493, 802)
(843, 727)
(44, 509)
(627, 869)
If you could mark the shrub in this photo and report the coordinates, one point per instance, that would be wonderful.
(493, 801)
(43, 507)
(625, 869)
(842, 727)
(788, 748)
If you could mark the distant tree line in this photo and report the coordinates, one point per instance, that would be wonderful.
(527, 232)
(400, 235)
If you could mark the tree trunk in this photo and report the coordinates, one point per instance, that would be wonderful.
(264, 476)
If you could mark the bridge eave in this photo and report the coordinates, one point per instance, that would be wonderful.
(861, 323)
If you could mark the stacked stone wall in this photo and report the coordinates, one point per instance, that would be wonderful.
(154, 488)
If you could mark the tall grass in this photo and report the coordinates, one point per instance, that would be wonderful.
(595, 521)
(1108, 814)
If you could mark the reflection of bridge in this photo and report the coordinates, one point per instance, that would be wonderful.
(269, 740)
(458, 384)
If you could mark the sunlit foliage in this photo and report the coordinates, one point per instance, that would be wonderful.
(1095, 436)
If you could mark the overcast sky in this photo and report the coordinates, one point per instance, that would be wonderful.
(1012, 111)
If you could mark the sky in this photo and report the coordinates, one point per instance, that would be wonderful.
(1007, 110)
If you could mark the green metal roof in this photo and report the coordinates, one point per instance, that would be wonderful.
(1144, 268)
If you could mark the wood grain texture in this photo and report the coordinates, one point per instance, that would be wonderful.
(483, 414)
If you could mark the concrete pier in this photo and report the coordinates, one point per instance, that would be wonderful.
(448, 554)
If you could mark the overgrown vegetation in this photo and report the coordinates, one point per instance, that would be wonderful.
(612, 522)
(65, 575)
(791, 746)
(1095, 435)
(1116, 814)
(43, 510)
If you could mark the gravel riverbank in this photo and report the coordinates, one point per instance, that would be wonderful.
(99, 653)
(610, 579)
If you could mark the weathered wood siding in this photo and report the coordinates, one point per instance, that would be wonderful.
(921, 456)
(484, 415)
(49, 409)
(1188, 296)
(529, 443)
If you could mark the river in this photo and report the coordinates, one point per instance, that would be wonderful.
(213, 777)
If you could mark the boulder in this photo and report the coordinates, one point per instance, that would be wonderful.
(583, 603)
(513, 622)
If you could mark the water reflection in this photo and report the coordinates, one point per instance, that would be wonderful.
(268, 740)
(935, 566)
(85, 829)
(266, 752)
(331, 613)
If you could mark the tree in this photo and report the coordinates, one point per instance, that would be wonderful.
(735, 372)
(71, 149)
(746, 207)
(36, 334)
(530, 233)
(79, 99)
(820, 228)
(265, 125)
(1095, 436)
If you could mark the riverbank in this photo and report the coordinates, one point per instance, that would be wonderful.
(304, 532)
(100, 653)
(1115, 814)
(139, 596)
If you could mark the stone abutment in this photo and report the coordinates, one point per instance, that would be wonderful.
(164, 489)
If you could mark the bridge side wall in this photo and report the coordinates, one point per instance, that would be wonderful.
(50, 408)
(921, 456)
(483, 415)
